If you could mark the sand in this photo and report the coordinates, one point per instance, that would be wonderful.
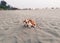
(46, 31)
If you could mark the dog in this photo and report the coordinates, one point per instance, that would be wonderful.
(29, 23)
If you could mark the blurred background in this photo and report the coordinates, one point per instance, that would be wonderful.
(28, 4)
(5, 6)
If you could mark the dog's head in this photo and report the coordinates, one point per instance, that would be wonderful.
(26, 21)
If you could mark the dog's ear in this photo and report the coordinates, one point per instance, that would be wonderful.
(24, 20)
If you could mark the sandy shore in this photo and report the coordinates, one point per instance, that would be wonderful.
(12, 30)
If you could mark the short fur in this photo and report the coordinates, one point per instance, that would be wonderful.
(29, 23)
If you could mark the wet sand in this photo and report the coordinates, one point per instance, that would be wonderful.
(46, 31)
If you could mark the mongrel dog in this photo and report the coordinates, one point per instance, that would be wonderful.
(29, 23)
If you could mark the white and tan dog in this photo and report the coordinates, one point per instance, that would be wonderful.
(29, 23)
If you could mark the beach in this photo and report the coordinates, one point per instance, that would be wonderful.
(47, 29)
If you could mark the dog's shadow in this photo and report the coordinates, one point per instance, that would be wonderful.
(25, 27)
